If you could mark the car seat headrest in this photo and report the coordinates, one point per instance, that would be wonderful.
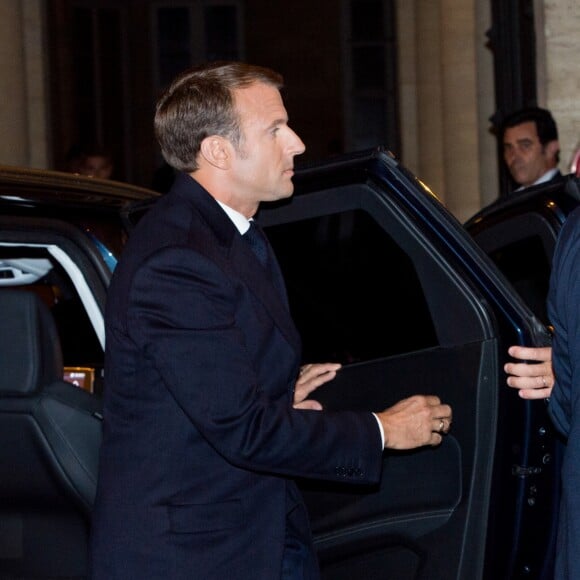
(30, 349)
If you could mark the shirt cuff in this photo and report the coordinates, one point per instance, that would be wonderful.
(381, 430)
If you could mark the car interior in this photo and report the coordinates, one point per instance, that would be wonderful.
(51, 433)
(50, 273)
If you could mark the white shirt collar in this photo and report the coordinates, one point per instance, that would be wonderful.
(240, 221)
(546, 177)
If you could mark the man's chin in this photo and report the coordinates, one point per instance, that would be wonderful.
(283, 193)
(520, 177)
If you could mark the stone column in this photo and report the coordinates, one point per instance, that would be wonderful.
(460, 113)
(408, 94)
(430, 101)
(558, 23)
(487, 141)
(23, 92)
(446, 99)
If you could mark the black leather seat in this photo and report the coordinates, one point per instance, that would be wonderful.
(50, 434)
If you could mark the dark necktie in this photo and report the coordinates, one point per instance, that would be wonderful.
(259, 244)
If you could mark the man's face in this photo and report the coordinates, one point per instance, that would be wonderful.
(526, 158)
(263, 163)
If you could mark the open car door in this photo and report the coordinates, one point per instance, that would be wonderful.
(383, 279)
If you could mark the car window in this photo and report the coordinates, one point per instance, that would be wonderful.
(521, 246)
(338, 268)
(526, 265)
(362, 281)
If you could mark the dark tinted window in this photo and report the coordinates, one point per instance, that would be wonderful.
(527, 267)
(354, 292)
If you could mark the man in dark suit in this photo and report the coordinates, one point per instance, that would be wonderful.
(206, 417)
(531, 149)
(564, 408)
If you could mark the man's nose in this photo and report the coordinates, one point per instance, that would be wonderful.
(297, 147)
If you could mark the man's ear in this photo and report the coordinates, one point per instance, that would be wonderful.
(552, 149)
(216, 151)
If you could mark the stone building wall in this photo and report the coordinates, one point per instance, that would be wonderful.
(558, 26)
(447, 98)
(23, 115)
(446, 87)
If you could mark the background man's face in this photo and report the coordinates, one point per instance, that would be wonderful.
(526, 158)
(96, 166)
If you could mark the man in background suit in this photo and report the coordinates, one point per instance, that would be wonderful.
(531, 152)
(206, 418)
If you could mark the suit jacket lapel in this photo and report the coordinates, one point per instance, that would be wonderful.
(233, 253)
(246, 266)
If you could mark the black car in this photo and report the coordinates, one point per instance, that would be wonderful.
(382, 278)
